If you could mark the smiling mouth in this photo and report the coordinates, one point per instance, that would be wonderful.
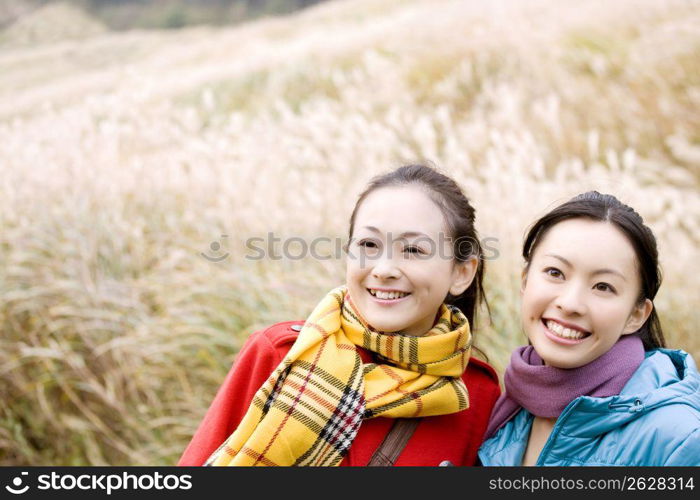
(394, 295)
(563, 332)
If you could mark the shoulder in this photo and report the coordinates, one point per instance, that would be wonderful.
(482, 371)
(281, 336)
(278, 336)
(668, 386)
(269, 345)
(481, 381)
(686, 453)
(665, 376)
(666, 357)
(652, 441)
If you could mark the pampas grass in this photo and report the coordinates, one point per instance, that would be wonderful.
(123, 157)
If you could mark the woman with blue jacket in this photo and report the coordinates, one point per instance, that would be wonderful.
(595, 386)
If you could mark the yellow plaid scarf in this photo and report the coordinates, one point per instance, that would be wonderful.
(309, 410)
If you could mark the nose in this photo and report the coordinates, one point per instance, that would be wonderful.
(385, 268)
(571, 299)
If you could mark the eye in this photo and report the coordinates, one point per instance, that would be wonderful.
(553, 272)
(604, 287)
(367, 244)
(369, 247)
(414, 250)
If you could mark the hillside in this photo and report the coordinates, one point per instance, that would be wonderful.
(55, 22)
(158, 14)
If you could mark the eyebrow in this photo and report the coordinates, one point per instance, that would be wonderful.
(594, 273)
(406, 234)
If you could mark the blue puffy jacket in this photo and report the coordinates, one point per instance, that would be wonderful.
(655, 420)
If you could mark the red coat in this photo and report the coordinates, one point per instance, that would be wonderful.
(455, 437)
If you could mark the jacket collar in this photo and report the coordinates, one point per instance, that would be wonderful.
(665, 377)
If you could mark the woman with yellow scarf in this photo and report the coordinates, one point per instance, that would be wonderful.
(381, 372)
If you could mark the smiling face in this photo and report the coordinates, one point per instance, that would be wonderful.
(400, 266)
(580, 292)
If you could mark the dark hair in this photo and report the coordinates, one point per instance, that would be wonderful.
(607, 208)
(459, 217)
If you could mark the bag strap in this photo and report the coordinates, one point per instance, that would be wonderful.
(394, 442)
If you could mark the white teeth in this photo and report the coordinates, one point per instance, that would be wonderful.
(387, 295)
(562, 331)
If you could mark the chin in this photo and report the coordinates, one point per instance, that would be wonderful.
(381, 326)
(564, 362)
(554, 359)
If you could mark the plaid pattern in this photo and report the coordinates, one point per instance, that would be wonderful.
(338, 434)
(311, 407)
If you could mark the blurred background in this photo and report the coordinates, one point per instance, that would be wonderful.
(143, 142)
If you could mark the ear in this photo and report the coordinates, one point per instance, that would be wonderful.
(463, 275)
(639, 315)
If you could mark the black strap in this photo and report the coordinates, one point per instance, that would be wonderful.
(394, 442)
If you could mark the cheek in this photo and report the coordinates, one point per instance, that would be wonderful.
(534, 300)
(430, 279)
(353, 274)
(611, 315)
(348, 273)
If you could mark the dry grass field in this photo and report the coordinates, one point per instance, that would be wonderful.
(124, 157)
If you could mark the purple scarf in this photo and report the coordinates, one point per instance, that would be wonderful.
(545, 391)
